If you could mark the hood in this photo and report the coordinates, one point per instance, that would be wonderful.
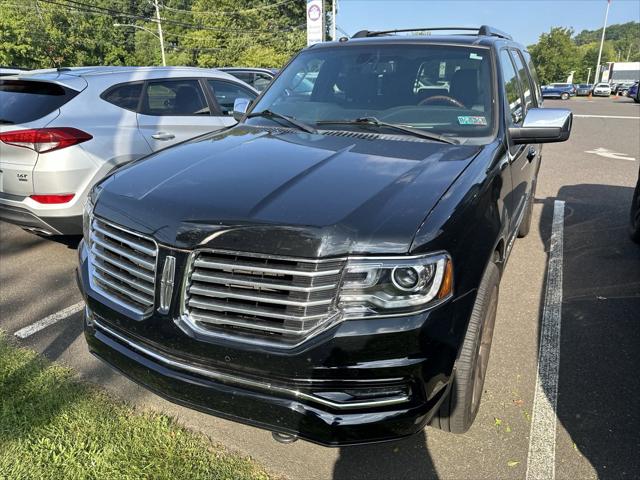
(285, 192)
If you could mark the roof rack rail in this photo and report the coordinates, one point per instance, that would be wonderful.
(484, 30)
(493, 32)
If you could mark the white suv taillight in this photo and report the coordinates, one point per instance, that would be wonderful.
(44, 140)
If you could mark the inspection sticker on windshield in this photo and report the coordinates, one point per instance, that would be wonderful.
(472, 120)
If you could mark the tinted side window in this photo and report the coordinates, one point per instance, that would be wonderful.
(175, 97)
(125, 96)
(534, 77)
(527, 89)
(511, 88)
(246, 77)
(261, 81)
(226, 94)
(23, 101)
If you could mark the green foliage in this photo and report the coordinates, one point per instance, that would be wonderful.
(207, 33)
(555, 55)
(52, 427)
(618, 31)
(589, 58)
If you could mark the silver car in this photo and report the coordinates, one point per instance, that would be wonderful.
(602, 89)
(63, 130)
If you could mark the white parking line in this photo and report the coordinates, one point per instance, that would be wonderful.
(606, 116)
(541, 462)
(50, 320)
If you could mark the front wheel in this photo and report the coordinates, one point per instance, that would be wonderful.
(564, 96)
(459, 409)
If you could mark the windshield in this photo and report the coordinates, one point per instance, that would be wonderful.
(445, 90)
(584, 85)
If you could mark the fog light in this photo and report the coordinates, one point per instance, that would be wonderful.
(385, 394)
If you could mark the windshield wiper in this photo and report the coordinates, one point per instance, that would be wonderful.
(287, 118)
(374, 122)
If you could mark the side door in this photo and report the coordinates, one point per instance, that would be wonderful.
(175, 109)
(225, 93)
(520, 165)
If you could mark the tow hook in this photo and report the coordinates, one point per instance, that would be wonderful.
(284, 437)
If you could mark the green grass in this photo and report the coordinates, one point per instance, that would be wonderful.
(54, 427)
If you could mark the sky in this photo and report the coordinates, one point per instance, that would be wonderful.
(525, 20)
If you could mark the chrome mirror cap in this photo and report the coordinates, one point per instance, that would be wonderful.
(240, 107)
(543, 125)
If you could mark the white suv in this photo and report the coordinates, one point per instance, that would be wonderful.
(63, 130)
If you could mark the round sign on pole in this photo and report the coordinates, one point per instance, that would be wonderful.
(315, 21)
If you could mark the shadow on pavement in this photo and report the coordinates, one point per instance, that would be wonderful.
(599, 382)
(406, 459)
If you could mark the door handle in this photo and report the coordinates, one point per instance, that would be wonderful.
(532, 153)
(163, 136)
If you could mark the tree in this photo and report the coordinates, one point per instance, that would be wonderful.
(555, 55)
(589, 57)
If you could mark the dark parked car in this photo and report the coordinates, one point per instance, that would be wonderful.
(634, 92)
(583, 89)
(563, 91)
(634, 229)
(258, 78)
(622, 88)
(329, 268)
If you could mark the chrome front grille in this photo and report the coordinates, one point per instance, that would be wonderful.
(123, 266)
(281, 299)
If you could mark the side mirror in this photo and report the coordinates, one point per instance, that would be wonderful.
(543, 125)
(240, 107)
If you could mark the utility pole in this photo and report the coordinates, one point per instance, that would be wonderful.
(333, 20)
(596, 77)
(164, 60)
(589, 75)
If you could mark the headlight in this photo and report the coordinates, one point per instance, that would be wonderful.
(87, 218)
(380, 286)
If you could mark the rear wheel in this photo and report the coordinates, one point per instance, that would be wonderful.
(459, 409)
(564, 96)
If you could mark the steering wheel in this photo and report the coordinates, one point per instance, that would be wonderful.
(444, 99)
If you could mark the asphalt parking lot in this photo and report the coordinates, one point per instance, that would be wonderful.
(595, 350)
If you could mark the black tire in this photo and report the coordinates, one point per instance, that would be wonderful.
(564, 96)
(459, 409)
(634, 228)
(624, 93)
(636, 99)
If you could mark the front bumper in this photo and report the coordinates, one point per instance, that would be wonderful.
(297, 391)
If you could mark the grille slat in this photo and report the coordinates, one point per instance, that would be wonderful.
(281, 299)
(225, 279)
(140, 286)
(255, 297)
(253, 269)
(133, 257)
(123, 266)
(132, 269)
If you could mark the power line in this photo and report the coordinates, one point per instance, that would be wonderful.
(97, 10)
(231, 12)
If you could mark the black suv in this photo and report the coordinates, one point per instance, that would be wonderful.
(328, 268)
